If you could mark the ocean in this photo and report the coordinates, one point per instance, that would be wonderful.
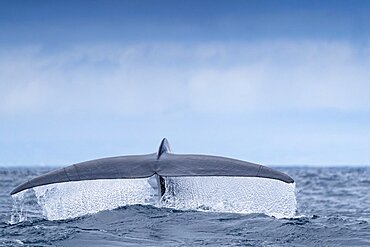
(329, 207)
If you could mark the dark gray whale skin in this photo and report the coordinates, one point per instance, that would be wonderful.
(163, 163)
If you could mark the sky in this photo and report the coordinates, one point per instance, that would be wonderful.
(270, 82)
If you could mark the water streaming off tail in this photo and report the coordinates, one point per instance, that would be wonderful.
(73, 199)
(218, 194)
(231, 194)
(25, 207)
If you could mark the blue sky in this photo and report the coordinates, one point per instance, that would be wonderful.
(272, 82)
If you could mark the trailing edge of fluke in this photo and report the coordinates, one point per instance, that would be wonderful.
(163, 163)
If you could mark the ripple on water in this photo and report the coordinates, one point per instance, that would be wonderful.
(333, 210)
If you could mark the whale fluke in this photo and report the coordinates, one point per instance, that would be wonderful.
(163, 163)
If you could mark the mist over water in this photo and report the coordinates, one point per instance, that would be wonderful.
(332, 210)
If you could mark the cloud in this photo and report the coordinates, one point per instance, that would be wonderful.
(287, 76)
(131, 79)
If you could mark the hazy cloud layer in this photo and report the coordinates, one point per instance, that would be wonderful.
(132, 79)
(277, 102)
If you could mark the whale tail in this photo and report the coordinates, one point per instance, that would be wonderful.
(163, 163)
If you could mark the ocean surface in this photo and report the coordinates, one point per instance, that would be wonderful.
(329, 207)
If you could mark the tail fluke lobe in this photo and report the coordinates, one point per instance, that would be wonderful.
(133, 166)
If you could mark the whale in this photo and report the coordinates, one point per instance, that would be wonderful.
(163, 163)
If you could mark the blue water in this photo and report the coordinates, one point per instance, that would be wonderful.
(333, 210)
